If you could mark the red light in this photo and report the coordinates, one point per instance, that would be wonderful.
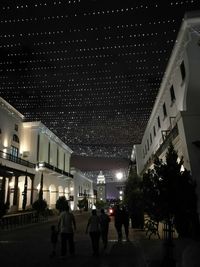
(110, 211)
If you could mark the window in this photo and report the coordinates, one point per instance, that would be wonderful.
(150, 139)
(154, 131)
(15, 138)
(143, 153)
(172, 93)
(14, 151)
(38, 147)
(147, 144)
(164, 110)
(182, 68)
(16, 127)
(57, 157)
(49, 149)
(64, 162)
(158, 120)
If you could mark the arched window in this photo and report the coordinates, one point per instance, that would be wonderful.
(15, 138)
(14, 151)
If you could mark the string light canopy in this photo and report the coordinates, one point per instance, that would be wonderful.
(88, 69)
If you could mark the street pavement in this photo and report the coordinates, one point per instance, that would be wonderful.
(30, 246)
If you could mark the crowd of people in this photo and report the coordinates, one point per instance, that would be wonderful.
(97, 227)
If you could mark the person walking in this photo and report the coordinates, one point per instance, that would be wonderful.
(118, 222)
(104, 222)
(67, 226)
(125, 222)
(93, 227)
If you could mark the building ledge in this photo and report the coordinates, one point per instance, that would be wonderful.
(44, 166)
(9, 157)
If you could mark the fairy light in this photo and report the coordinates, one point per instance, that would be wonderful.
(96, 81)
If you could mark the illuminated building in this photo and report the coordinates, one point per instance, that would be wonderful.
(30, 149)
(176, 112)
(101, 187)
(83, 187)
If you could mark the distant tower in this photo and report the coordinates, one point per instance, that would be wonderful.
(101, 187)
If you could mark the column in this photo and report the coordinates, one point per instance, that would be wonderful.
(15, 191)
(8, 194)
(2, 190)
(32, 189)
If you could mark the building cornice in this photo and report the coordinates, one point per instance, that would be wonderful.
(44, 130)
(11, 110)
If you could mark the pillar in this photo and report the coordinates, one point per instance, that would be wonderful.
(15, 191)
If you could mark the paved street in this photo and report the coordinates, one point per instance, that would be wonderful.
(30, 246)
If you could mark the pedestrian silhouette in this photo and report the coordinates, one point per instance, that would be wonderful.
(54, 240)
(118, 222)
(125, 222)
(93, 227)
(104, 222)
(67, 225)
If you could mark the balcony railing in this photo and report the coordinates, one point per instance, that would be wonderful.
(17, 160)
(84, 195)
(44, 164)
(168, 138)
(171, 135)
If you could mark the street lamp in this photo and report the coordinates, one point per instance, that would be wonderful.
(119, 175)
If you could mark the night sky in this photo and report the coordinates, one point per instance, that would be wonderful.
(89, 70)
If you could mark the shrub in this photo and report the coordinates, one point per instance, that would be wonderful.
(40, 205)
(83, 204)
(3, 209)
(169, 194)
(61, 203)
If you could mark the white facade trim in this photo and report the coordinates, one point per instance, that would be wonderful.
(44, 130)
(10, 109)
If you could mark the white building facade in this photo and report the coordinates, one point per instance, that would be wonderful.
(82, 187)
(29, 150)
(176, 113)
(52, 158)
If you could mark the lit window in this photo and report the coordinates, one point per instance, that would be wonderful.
(14, 151)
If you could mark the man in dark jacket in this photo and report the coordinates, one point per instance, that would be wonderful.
(118, 222)
(104, 222)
